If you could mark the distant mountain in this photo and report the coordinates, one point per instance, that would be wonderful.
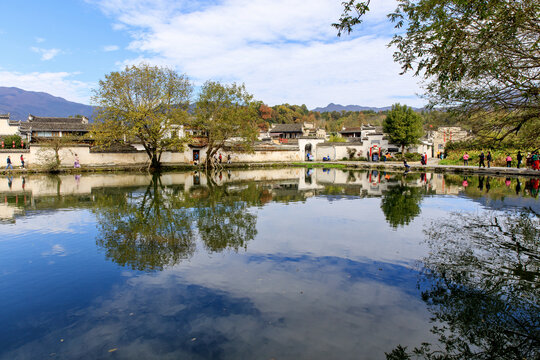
(337, 107)
(19, 103)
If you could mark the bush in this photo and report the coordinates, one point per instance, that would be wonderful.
(8, 141)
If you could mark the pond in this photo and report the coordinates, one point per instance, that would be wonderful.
(269, 264)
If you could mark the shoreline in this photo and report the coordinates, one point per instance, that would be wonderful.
(343, 165)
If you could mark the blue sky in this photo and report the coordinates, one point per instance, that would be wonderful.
(283, 50)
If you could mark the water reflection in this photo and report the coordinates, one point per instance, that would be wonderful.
(281, 263)
(481, 284)
(145, 230)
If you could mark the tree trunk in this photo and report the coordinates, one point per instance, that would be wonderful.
(155, 165)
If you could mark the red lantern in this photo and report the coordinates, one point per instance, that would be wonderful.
(2, 144)
(14, 144)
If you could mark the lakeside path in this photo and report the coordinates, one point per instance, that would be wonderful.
(432, 166)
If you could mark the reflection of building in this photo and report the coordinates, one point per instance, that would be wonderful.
(290, 184)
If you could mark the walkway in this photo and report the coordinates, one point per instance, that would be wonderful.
(433, 166)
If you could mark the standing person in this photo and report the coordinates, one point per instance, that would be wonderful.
(508, 160)
(481, 158)
(76, 164)
(228, 158)
(528, 160)
(8, 160)
(220, 158)
(425, 158)
(519, 157)
(22, 161)
(489, 159)
(536, 161)
(466, 159)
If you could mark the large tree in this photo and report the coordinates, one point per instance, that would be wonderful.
(403, 126)
(480, 58)
(225, 112)
(142, 103)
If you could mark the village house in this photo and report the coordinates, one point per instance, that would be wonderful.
(7, 126)
(283, 133)
(49, 127)
(445, 134)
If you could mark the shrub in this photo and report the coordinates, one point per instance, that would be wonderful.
(8, 141)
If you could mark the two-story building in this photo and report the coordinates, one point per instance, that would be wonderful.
(37, 127)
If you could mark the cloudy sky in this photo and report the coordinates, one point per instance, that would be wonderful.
(285, 51)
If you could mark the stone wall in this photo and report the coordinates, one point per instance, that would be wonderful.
(39, 156)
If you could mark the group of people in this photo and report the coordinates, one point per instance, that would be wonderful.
(218, 158)
(532, 160)
(10, 164)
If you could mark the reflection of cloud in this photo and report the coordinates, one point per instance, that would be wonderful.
(233, 306)
(70, 222)
(56, 249)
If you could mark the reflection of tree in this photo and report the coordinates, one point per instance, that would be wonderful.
(401, 204)
(156, 228)
(481, 283)
(145, 231)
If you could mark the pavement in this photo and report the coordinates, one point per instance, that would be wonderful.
(433, 166)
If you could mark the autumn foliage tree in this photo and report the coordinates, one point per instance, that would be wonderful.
(142, 103)
(225, 112)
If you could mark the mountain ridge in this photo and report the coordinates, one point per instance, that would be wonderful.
(338, 107)
(19, 103)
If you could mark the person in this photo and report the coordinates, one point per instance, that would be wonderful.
(407, 166)
(228, 158)
(508, 160)
(528, 160)
(481, 158)
(22, 161)
(76, 164)
(466, 159)
(489, 159)
(519, 157)
(536, 161)
(425, 158)
(9, 163)
(220, 158)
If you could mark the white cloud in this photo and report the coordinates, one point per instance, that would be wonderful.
(46, 54)
(284, 50)
(110, 48)
(55, 83)
(40, 40)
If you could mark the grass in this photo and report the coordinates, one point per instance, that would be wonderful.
(455, 157)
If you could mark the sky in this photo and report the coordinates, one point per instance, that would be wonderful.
(284, 51)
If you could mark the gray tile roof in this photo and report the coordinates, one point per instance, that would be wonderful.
(287, 128)
(66, 120)
(351, 130)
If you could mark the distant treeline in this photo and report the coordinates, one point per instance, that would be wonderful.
(334, 121)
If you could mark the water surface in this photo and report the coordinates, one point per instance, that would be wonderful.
(281, 263)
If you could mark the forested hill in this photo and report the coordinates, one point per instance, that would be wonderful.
(19, 103)
(337, 107)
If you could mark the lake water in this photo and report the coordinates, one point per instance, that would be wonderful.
(269, 264)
